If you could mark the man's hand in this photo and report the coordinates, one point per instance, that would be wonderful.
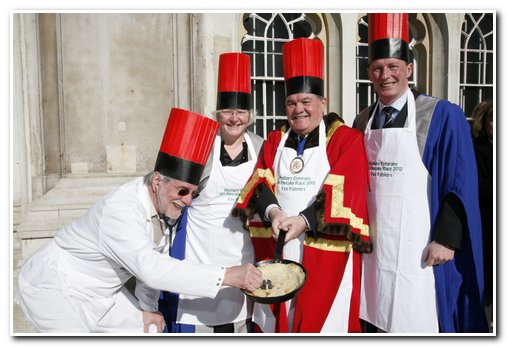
(243, 276)
(294, 225)
(435, 254)
(153, 318)
(276, 215)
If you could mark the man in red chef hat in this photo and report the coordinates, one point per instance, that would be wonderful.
(75, 282)
(310, 180)
(425, 272)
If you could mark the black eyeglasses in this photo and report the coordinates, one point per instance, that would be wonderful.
(184, 191)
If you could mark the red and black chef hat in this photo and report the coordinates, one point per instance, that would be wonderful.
(234, 85)
(186, 145)
(303, 66)
(388, 36)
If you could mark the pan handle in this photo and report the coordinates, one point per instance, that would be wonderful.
(279, 245)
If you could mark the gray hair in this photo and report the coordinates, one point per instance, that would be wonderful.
(148, 179)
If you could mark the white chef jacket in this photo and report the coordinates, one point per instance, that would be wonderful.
(88, 262)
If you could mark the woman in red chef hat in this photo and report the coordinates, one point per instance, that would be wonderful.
(208, 233)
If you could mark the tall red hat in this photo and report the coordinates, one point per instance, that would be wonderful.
(388, 36)
(303, 66)
(186, 145)
(234, 85)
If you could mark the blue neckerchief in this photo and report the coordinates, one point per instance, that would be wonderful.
(168, 302)
(301, 145)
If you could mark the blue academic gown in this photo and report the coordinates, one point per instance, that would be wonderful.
(450, 160)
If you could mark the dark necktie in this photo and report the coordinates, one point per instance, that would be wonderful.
(388, 111)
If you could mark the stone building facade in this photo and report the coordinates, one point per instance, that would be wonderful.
(92, 92)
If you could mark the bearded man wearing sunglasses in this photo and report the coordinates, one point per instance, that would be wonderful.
(75, 283)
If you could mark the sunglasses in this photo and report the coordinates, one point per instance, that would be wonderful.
(183, 191)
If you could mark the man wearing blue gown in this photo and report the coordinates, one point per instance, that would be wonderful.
(425, 272)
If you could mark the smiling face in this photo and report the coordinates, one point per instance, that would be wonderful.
(233, 122)
(170, 196)
(390, 78)
(304, 112)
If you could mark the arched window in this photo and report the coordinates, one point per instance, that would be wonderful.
(266, 34)
(476, 60)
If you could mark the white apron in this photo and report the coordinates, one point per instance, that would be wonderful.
(295, 192)
(398, 289)
(214, 237)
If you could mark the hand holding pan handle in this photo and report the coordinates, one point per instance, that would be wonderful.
(266, 284)
(279, 245)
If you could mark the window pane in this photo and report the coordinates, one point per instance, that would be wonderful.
(489, 42)
(259, 98)
(280, 29)
(477, 47)
(275, 97)
(302, 29)
(472, 98)
(363, 98)
(247, 46)
(489, 69)
(363, 31)
(475, 40)
(487, 93)
(462, 67)
(258, 64)
(362, 63)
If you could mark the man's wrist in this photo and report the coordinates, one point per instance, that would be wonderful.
(268, 209)
(307, 225)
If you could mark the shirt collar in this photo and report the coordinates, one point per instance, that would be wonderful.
(398, 103)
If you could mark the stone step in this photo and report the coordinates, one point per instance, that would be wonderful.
(76, 191)
(42, 225)
(67, 201)
(39, 227)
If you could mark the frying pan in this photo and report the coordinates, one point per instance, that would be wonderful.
(277, 259)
